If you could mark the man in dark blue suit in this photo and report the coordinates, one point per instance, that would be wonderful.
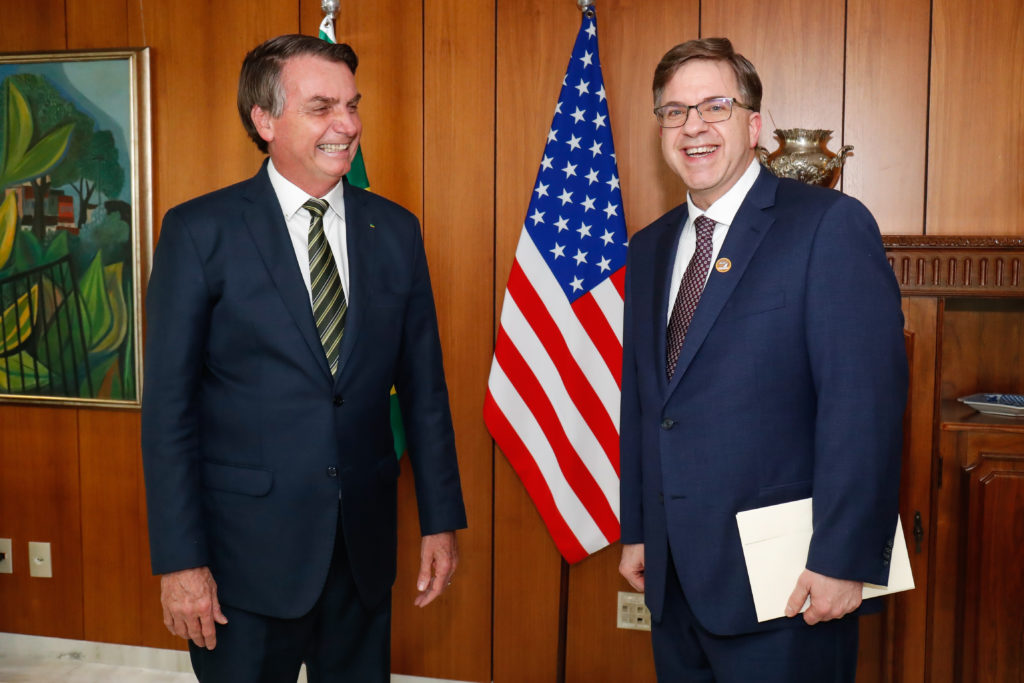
(281, 310)
(763, 362)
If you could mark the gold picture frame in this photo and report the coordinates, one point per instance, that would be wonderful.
(75, 225)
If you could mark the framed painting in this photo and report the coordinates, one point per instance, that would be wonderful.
(75, 225)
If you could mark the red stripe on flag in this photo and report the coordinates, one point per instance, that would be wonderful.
(576, 473)
(550, 335)
(601, 333)
(522, 462)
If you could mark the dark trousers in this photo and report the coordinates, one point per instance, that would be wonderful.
(685, 652)
(339, 640)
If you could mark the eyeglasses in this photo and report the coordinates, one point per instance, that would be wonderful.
(714, 110)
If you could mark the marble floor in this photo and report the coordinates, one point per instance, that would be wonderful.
(33, 671)
(34, 659)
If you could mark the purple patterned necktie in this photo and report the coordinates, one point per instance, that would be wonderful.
(689, 293)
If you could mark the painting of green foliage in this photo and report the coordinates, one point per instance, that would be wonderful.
(74, 224)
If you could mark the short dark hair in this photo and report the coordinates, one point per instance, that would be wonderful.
(259, 84)
(714, 49)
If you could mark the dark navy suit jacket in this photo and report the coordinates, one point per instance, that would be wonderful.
(791, 383)
(249, 444)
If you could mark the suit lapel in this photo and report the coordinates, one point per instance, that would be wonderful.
(748, 229)
(359, 238)
(266, 224)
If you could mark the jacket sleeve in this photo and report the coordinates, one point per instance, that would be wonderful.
(859, 368)
(423, 398)
(177, 316)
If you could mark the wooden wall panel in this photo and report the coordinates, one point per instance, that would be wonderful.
(975, 138)
(797, 48)
(535, 39)
(887, 110)
(451, 639)
(649, 187)
(98, 24)
(596, 649)
(991, 334)
(388, 39)
(197, 50)
(32, 28)
(114, 564)
(39, 501)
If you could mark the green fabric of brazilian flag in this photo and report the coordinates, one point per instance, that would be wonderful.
(357, 176)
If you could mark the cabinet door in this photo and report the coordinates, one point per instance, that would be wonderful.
(991, 603)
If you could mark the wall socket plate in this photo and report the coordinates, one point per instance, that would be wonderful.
(7, 563)
(39, 563)
(633, 613)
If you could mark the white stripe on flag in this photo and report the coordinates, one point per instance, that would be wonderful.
(610, 302)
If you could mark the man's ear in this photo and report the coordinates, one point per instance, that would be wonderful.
(264, 123)
(754, 128)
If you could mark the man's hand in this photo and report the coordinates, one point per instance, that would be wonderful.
(631, 566)
(830, 598)
(439, 556)
(190, 605)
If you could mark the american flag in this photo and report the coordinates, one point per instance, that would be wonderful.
(552, 401)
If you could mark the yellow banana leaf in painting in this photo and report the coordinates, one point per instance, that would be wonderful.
(18, 319)
(20, 373)
(8, 228)
(118, 310)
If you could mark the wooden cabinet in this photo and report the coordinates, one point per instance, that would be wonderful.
(979, 548)
(963, 472)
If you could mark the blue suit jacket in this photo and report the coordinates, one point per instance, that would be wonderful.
(791, 383)
(248, 441)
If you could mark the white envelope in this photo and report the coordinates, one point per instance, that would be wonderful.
(776, 540)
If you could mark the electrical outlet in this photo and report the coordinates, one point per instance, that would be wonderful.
(6, 563)
(633, 613)
(39, 564)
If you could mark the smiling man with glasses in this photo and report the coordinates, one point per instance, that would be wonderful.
(763, 362)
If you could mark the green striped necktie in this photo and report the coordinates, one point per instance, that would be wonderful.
(329, 304)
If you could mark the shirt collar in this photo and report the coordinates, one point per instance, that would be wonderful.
(723, 211)
(291, 198)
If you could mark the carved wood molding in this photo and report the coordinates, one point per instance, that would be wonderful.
(957, 266)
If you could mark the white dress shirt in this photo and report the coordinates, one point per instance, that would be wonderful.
(722, 212)
(291, 199)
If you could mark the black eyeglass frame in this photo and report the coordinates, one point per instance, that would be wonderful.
(658, 111)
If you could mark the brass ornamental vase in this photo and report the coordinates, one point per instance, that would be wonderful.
(803, 155)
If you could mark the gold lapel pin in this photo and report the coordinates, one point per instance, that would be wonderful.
(723, 265)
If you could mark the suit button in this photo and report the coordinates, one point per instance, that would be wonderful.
(332, 471)
(668, 423)
(338, 400)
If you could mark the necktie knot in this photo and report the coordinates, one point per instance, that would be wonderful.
(705, 228)
(316, 207)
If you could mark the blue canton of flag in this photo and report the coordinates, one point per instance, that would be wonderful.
(575, 215)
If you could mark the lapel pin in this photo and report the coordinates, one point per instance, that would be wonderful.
(723, 265)
(372, 226)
